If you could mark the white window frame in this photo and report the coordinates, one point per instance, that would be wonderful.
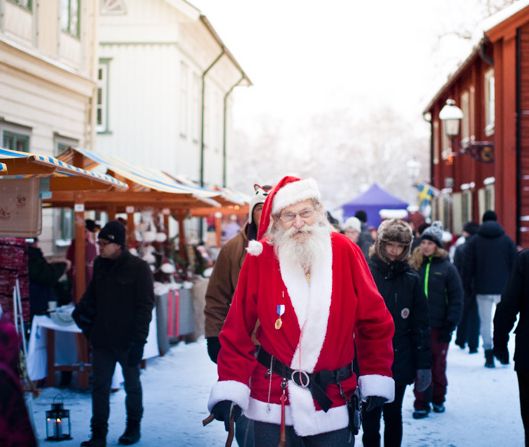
(68, 24)
(16, 131)
(465, 122)
(489, 102)
(102, 110)
(436, 142)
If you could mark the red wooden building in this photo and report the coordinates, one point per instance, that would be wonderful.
(486, 165)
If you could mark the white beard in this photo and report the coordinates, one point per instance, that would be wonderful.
(302, 252)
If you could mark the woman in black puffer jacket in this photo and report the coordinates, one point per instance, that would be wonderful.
(444, 292)
(401, 288)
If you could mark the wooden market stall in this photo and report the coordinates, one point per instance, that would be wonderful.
(54, 176)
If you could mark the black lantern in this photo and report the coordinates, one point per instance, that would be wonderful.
(58, 427)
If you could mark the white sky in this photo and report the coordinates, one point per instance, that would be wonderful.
(306, 56)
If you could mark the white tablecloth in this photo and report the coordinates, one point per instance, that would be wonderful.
(66, 348)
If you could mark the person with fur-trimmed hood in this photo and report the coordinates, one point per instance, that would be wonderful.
(316, 302)
(444, 292)
(221, 288)
(402, 291)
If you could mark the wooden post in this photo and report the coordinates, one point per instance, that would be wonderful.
(181, 235)
(130, 226)
(111, 211)
(80, 247)
(218, 229)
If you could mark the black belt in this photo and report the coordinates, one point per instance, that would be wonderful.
(316, 382)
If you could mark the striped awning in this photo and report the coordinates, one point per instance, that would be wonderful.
(64, 176)
(142, 178)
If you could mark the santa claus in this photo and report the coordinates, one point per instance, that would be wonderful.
(316, 307)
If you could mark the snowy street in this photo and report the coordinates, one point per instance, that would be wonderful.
(482, 405)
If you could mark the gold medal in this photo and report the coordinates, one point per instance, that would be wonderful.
(278, 324)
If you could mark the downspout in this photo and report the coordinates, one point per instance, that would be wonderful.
(202, 112)
(224, 132)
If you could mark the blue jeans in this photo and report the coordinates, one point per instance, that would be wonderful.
(267, 435)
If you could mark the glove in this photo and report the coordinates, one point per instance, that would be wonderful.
(213, 348)
(225, 410)
(502, 354)
(423, 379)
(84, 322)
(445, 333)
(135, 354)
(373, 402)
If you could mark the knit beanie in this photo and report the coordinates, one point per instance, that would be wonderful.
(393, 230)
(434, 233)
(353, 223)
(471, 228)
(113, 231)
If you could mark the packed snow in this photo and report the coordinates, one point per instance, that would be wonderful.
(482, 407)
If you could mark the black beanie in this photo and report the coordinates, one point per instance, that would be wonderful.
(471, 228)
(489, 215)
(113, 231)
(361, 215)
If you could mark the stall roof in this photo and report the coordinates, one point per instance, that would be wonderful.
(64, 176)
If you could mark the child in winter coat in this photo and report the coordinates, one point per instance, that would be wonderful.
(401, 289)
(444, 292)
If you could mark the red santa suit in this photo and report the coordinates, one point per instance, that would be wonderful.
(323, 321)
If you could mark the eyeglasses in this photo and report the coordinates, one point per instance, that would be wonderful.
(290, 217)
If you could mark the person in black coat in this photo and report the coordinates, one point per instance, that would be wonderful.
(442, 286)
(400, 286)
(114, 313)
(515, 300)
(486, 268)
(468, 327)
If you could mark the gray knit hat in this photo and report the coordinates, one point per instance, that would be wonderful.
(434, 233)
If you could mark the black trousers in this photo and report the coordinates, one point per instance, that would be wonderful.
(523, 385)
(468, 327)
(267, 435)
(392, 422)
(103, 365)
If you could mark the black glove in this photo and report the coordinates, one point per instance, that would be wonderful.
(423, 379)
(373, 402)
(225, 410)
(213, 348)
(84, 321)
(135, 354)
(445, 333)
(502, 354)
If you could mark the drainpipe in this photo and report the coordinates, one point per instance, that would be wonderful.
(224, 132)
(202, 112)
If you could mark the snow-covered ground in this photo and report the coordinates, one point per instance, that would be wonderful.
(482, 405)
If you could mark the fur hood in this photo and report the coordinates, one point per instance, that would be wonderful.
(392, 230)
(417, 258)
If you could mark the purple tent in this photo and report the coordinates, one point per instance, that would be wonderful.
(372, 201)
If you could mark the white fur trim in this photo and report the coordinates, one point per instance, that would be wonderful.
(161, 237)
(318, 421)
(295, 192)
(377, 385)
(255, 248)
(168, 268)
(229, 390)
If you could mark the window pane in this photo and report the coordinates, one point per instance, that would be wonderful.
(65, 15)
(74, 18)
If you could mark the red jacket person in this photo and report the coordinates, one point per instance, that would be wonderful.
(316, 302)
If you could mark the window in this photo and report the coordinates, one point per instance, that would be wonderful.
(26, 4)
(14, 138)
(436, 142)
(183, 99)
(466, 206)
(489, 102)
(102, 124)
(71, 17)
(465, 123)
(66, 229)
(61, 144)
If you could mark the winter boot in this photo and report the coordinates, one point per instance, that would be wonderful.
(489, 359)
(95, 442)
(439, 408)
(421, 413)
(132, 433)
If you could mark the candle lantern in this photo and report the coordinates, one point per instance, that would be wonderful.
(58, 426)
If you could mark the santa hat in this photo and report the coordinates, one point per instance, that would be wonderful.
(261, 192)
(288, 191)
